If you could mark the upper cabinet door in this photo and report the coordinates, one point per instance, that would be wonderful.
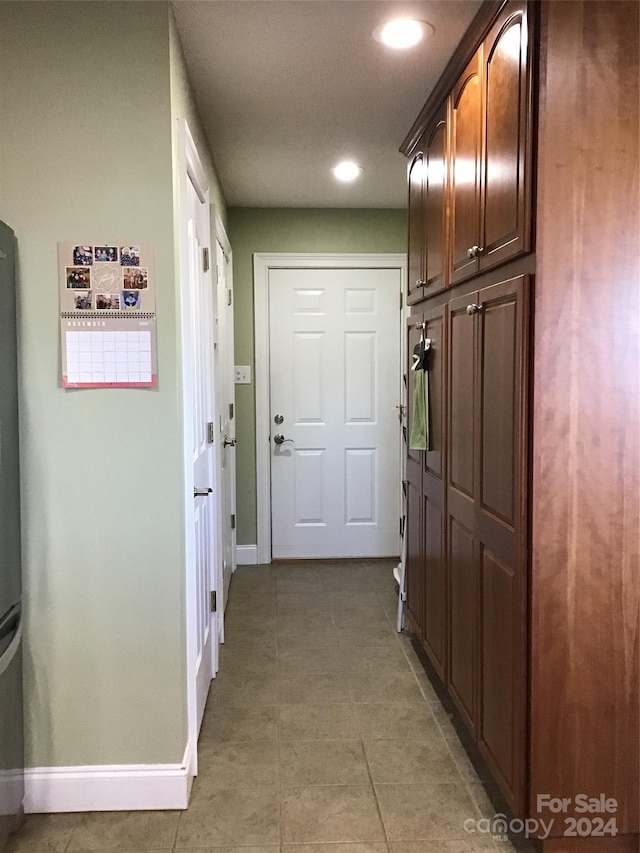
(435, 208)
(506, 202)
(416, 250)
(466, 150)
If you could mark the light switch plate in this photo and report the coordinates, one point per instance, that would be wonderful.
(242, 374)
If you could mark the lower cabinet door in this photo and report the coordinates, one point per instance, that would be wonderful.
(433, 497)
(501, 468)
(462, 558)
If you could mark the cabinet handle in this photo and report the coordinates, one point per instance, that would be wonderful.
(474, 252)
(473, 308)
(420, 282)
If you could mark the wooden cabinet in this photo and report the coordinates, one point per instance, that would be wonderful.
(523, 515)
(433, 497)
(416, 229)
(491, 131)
(466, 153)
(507, 131)
(435, 207)
(413, 497)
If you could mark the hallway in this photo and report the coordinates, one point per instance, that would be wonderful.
(306, 735)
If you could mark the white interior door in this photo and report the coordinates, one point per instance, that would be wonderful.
(334, 354)
(200, 356)
(226, 418)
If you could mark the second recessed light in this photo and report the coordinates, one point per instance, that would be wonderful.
(402, 33)
(347, 171)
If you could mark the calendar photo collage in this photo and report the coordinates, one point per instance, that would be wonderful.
(107, 315)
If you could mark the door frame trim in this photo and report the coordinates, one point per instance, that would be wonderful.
(263, 262)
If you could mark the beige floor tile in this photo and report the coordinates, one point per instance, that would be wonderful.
(301, 602)
(391, 720)
(98, 831)
(380, 634)
(410, 762)
(302, 585)
(305, 688)
(237, 764)
(231, 817)
(385, 685)
(267, 849)
(444, 720)
(363, 658)
(248, 625)
(43, 834)
(288, 623)
(317, 722)
(427, 688)
(294, 661)
(425, 812)
(235, 658)
(357, 601)
(226, 722)
(464, 765)
(245, 688)
(303, 637)
(459, 845)
(319, 762)
(331, 814)
(367, 847)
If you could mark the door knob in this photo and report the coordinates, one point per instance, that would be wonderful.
(280, 439)
(202, 493)
(474, 252)
(229, 442)
(473, 308)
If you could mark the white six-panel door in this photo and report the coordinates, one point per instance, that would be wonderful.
(201, 318)
(334, 354)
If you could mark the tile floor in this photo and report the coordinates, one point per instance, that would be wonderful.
(322, 734)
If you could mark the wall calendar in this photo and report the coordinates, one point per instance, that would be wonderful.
(107, 316)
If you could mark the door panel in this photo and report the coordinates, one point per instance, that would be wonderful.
(462, 357)
(497, 604)
(435, 621)
(435, 184)
(334, 379)
(413, 337)
(507, 128)
(414, 569)
(433, 490)
(501, 530)
(463, 577)
(498, 407)
(226, 424)
(466, 149)
(201, 337)
(416, 250)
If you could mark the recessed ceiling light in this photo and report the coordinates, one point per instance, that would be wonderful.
(402, 33)
(347, 171)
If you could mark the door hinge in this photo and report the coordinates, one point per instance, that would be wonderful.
(214, 601)
(211, 432)
(230, 411)
(401, 301)
(233, 522)
(229, 296)
(205, 259)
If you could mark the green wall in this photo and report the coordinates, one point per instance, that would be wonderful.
(89, 94)
(288, 230)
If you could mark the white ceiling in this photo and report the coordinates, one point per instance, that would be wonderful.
(286, 88)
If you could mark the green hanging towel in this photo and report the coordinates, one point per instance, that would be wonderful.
(419, 438)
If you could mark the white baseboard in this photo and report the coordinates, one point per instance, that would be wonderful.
(132, 787)
(247, 555)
